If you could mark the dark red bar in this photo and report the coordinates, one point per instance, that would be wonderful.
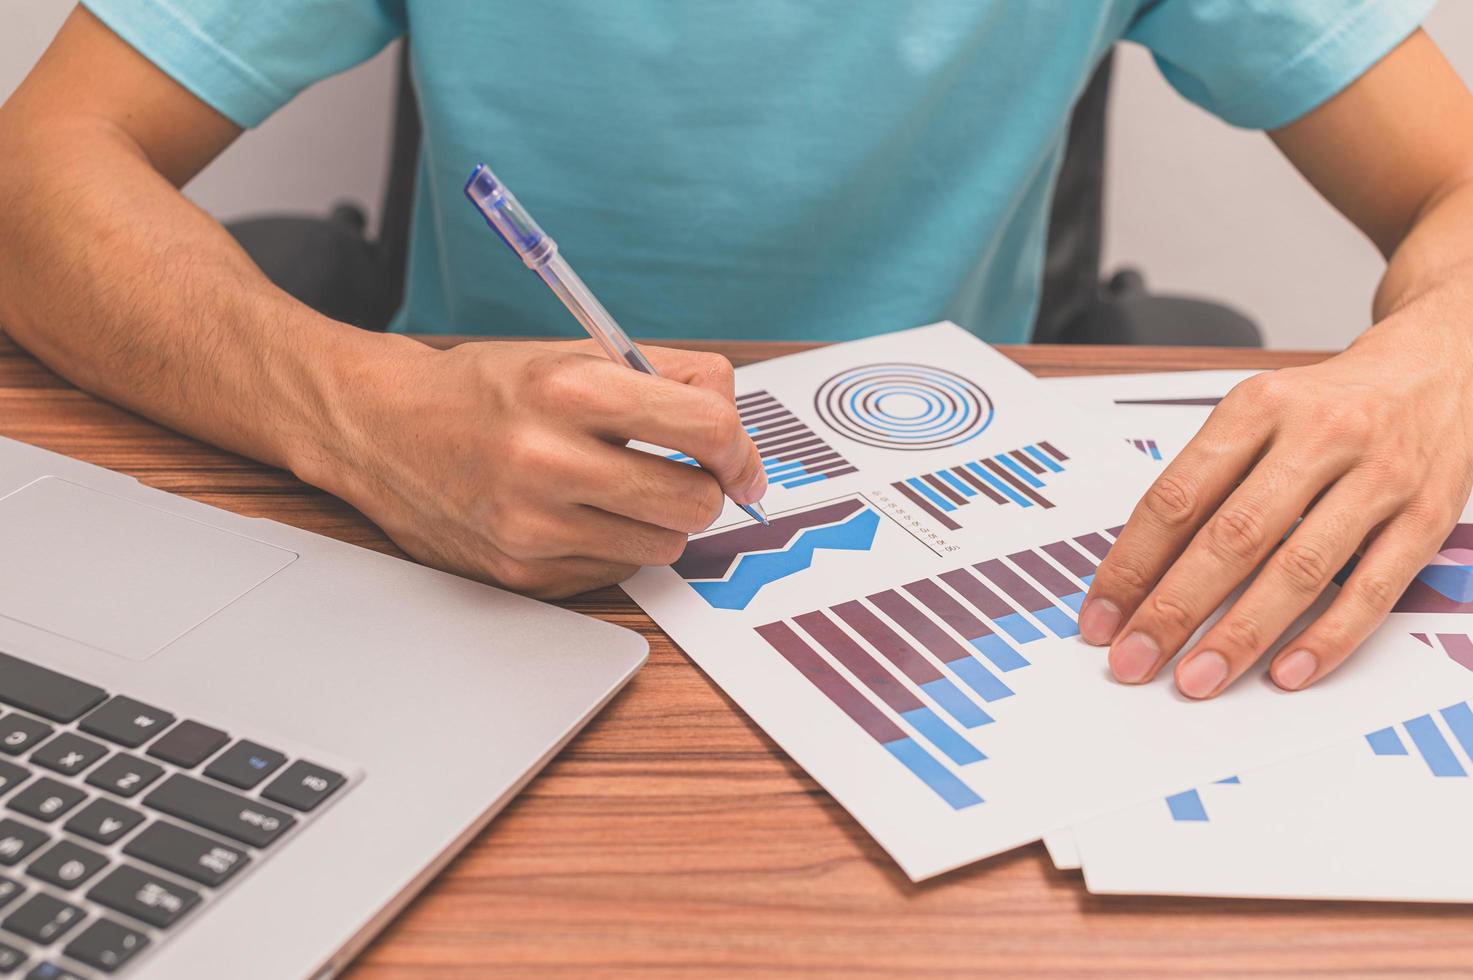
(1055, 453)
(752, 397)
(1016, 483)
(925, 505)
(860, 663)
(1027, 460)
(971, 478)
(1070, 558)
(828, 680)
(943, 488)
(785, 430)
(979, 595)
(888, 642)
(1095, 544)
(797, 453)
(1114, 532)
(914, 622)
(844, 472)
(1018, 590)
(1168, 401)
(764, 415)
(951, 612)
(827, 467)
(1044, 574)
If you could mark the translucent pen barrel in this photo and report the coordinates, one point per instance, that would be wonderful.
(561, 279)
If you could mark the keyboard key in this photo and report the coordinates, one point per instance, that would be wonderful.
(50, 971)
(127, 722)
(68, 754)
(46, 799)
(237, 817)
(42, 918)
(9, 891)
(188, 744)
(106, 945)
(124, 774)
(17, 840)
(11, 959)
(103, 821)
(186, 853)
(303, 785)
(147, 898)
(11, 776)
(245, 764)
(67, 865)
(45, 692)
(19, 732)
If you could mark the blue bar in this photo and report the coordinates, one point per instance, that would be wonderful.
(956, 704)
(961, 485)
(811, 479)
(1088, 580)
(1459, 718)
(1043, 458)
(917, 483)
(996, 649)
(1230, 781)
(1057, 620)
(1386, 742)
(1433, 747)
(680, 458)
(1074, 601)
(1186, 806)
(781, 468)
(939, 734)
(977, 677)
(1155, 453)
(1000, 486)
(752, 430)
(956, 793)
(1012, 464)
(1018, 627)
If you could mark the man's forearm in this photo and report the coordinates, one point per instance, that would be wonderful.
(117, 282)
(1436, 254)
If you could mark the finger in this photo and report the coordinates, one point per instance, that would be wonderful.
(1390, 563)
(1290, 581)
(1221, 556)
(702, 369)
(562, 578)
(620, 405)
(1165, 519)
(645, 488)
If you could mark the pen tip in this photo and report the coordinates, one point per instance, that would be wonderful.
(755, 509)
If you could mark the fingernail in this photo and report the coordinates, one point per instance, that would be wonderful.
(1201, 676)
(1098, 621)
(1292, 672)
(1132, 658)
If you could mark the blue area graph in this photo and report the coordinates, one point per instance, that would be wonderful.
(749, 571)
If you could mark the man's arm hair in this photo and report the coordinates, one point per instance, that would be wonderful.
(120, 284)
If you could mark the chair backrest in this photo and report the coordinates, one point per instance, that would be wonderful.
(1071, 274)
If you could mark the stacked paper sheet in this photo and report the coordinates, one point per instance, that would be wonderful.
(905, 628)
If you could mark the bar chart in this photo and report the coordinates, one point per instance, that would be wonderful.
(1445, 585)
(729, 568)
(1147, 446)
(1457, 646)
(924, 663)
(1188, 806)
(1432, 737)
(792, 454)
(1011, 478)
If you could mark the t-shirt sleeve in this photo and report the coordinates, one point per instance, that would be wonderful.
(1262, 64)
(248, 58)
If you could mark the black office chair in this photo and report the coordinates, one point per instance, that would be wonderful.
(331, 265)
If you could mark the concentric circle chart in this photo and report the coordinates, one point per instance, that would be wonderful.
(903, 406)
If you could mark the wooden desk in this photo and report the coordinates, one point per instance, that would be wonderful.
(674, 836)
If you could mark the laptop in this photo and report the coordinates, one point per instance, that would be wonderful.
(231, 748)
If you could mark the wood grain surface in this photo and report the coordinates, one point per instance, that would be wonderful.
(673, 837)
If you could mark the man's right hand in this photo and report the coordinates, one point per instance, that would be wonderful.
(507, 461)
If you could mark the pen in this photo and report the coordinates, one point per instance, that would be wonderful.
(506, 216)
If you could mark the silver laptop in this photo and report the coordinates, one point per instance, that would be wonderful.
(230, 748)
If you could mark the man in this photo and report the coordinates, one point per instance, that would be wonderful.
(772, 168)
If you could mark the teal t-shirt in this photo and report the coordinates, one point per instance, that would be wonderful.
(821, 169)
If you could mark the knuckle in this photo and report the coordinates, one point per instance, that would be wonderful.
(1171, 611)
(1172, 501)
(1242, 632)
(1266, 388)
(1375, 590)
(1236, 533)
(667, 548)
(717, 369)
(1334, 637)
(519, 534)
(719, 424)
(1343, 420)
(703, 507)
(1304, 566)
(1122, 573)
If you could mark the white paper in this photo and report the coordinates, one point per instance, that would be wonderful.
(1346, 822)
(1068, 742)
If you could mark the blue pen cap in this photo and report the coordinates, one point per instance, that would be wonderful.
(505, 214)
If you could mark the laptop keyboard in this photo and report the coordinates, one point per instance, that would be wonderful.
(117, 820)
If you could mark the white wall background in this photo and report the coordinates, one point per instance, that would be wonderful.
(1200, 207)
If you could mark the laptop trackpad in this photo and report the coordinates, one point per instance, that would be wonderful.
(118, 575)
